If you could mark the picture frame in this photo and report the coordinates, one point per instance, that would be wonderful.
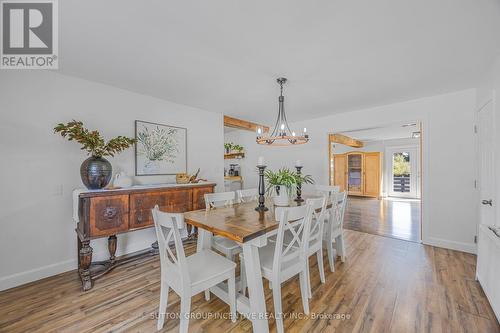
(160, 149)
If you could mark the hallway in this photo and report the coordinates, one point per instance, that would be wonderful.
(391, 217)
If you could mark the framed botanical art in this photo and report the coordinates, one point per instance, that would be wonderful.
(160, 149)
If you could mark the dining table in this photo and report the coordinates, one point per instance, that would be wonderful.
(251, 229)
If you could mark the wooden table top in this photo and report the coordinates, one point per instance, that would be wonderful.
(240, 222)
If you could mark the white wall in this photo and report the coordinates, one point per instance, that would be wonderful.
(39, 170)
(449, 211)
(381, 146)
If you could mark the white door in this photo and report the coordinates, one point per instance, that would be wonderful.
(403, 171)
(486, 137)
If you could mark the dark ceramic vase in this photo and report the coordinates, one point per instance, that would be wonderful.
(95, 172)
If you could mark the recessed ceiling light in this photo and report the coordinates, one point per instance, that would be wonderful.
(408, 125)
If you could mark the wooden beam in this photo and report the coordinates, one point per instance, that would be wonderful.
(243, 124)
(345, 140)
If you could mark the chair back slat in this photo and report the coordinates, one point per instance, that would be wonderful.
(336, 213)
(248, 195)
(327, 190)
(295, 220)
(318, 218)
(167, 226)
(221, 199)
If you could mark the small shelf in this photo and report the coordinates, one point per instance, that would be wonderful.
(233, 178)
(234, 156)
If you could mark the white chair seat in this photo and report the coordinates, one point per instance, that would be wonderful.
(227, 244)
(206, 265)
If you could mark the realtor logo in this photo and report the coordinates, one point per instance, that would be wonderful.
(29, 34)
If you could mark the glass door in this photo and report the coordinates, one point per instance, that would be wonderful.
(403, 172)
(355, 174)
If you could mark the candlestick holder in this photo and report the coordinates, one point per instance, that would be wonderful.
(262, 190)
(299, 186)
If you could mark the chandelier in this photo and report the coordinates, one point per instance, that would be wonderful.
(281, 135)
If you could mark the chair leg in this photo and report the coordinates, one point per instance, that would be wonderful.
(270, 285)
(319, 256)
(303, 291)
(278, 311)
(331, 258)
(231, 288)
(340, 245)
(243, 277)
(163, 305)
(185, 313)
(308, 278)
(207, 295)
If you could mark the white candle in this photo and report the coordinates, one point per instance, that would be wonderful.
(298, 163)
(261, 160)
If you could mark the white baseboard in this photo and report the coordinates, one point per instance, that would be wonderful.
(452, 245)
(31, 275)
(17, 279)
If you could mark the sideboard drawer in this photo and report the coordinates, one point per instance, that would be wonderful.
(108, 215)
(178, 201)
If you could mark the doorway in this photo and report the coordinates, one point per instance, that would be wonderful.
(402, 172)
(485, 141)
(382, 177)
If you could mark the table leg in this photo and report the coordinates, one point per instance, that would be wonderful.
(258, 314)
(204, 241)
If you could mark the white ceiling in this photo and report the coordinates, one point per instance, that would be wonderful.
(224, 55)
(388, 132)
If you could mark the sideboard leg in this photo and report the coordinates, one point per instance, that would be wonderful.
(85, 257)
(78, 248)
(112, 248)
(154, 248)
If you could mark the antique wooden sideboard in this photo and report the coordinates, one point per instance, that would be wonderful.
(106, 213)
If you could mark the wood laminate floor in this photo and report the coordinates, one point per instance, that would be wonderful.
(386, 285)
(398, 218)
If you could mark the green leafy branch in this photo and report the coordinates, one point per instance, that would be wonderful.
(287, 178)
(92, 141)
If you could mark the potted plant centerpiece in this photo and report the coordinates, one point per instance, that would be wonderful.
(95, 171)
(282, 184)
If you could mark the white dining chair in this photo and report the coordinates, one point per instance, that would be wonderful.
(315, 238)
(327, 190)
(217, 200)
(226, 246)
(280, 262)
(334, 229)
(188, 276)
(248, 195)
(315, 246)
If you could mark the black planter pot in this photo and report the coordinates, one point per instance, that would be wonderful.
(96, 172)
